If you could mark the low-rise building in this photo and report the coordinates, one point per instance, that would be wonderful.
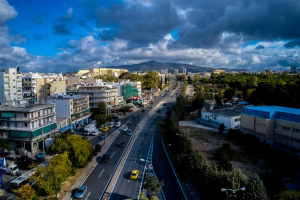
(231, 118)
(27, 125)
(278, 126)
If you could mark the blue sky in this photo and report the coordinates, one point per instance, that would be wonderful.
(64, 36)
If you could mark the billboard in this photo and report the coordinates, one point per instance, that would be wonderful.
(2, 163)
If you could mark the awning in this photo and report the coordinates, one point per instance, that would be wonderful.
(8, 114)
(21, 134)
(37, 133)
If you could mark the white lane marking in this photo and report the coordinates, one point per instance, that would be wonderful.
(101, 173)
(135, 160)
(128, 180)
(140, 147)
(87, 196)
(143, 138)
(12, 196)
(113, 154)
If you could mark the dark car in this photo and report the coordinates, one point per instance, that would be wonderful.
(143, 110)
(158, 111)
(122, 144)
(165, 104)
(168, 107)
(134, 116)
(104, 158)
(25, 162)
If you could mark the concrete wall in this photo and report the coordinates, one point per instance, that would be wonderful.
(63, 108)
(58, 87)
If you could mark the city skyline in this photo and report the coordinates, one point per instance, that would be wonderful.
(52, 36)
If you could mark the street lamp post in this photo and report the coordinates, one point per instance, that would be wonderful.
(232, 190)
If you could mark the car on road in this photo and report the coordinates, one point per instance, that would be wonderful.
(122, 144)
(80, 192)
(129, 132)
(104, 158)
(117, 124)
(125, 128)
(111, 124)
(103, 136)
(105, 129)
(165, 104)
(135, 115)
(95, 132)
(158, 111)
(134, 174)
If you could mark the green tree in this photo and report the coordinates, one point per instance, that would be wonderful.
(110, 78)
(100, 119)
(57, 171)
(255, 190)
(229, 94)
(151, 80)
(196, 78)
(288, 195)
(78, 149)
(101, 107)
(5, 144)
(198, 103)
(26, 192)
(125, 75)
(153, 185)
(190, 81)
(253, 82)
(221, 128)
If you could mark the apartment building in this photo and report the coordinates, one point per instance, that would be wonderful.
(278, 126)
(219, 71)
(10, 84)
(27, 125)
(99, 93)
(75, 108)
(175, 71)
(184, 71)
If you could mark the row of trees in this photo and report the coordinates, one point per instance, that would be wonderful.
(206, 176)
(278, 89)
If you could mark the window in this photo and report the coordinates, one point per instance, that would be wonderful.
(14, 86)
(71, 110)
(25, 115)
(14, 79)
(26, 125)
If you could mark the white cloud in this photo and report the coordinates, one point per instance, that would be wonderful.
(7, 12)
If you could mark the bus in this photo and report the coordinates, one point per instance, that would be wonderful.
(17, 183)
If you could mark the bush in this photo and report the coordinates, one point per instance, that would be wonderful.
(226, 165)
(98, 147)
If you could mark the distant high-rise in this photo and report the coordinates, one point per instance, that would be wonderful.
(293, 68)
(184, 70)
(175, 71)
(10, 84)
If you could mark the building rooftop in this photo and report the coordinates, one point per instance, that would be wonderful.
(275, 108)
(23, 108)
(227, 112)
(71, 97)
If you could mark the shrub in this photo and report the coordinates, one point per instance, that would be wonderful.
(98, 147)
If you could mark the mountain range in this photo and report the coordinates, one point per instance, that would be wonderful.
(158, 66)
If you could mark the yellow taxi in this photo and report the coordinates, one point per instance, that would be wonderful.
(105, 129)
(134, 174)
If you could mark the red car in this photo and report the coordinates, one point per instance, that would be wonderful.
(130, 110)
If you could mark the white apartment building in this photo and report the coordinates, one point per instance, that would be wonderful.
(27, 125)
(99, 93)
(10, 84)
(76, 108)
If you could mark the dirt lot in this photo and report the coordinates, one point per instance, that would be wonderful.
(209, 141)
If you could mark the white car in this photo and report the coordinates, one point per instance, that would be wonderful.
(95, 132)
(125, 128)
(111, 124)
(117, 124)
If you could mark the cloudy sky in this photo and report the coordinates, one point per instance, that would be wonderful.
(64, 36)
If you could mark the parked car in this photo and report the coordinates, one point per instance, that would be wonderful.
(105, 129)
(129, 132)
(102, 126)
(111, 124)
(125, 128)
(24, 162)
(40, 157)
(80, 192)
(103, 136)
(95, 132)
(122, 144)
(117, 124)
(104, 158)
(134, 174)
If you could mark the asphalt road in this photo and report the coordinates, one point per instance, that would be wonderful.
(124, 187)
(99, 178)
